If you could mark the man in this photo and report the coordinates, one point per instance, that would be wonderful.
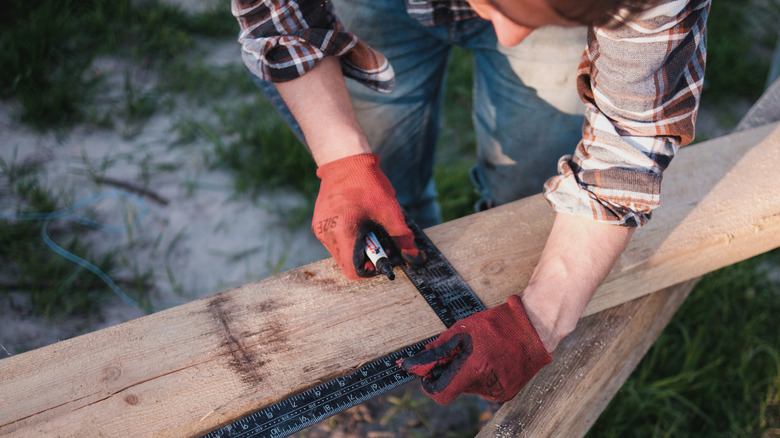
(640, 80)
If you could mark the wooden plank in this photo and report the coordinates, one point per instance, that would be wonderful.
(589, 367)
(190, 369)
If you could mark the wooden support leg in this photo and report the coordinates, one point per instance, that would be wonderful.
(589, 366)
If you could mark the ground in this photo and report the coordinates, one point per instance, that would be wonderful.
(196, 237)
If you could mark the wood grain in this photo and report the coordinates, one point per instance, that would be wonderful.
(193, 368)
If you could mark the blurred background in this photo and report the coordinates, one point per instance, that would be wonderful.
(140, 169)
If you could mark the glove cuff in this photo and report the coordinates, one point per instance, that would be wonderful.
(351, 165)
(535, 349)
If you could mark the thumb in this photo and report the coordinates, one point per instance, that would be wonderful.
(403, 238)
(409, 252)
(436, 356)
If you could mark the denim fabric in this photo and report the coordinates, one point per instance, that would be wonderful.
(526, 110)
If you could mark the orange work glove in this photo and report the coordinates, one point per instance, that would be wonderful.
(356, 198)
(493, 353)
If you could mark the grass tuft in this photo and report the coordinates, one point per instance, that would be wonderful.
(715, 370)
(738, 32)
(39, 67)
(53, 285)
(263, 153)
(49, 45)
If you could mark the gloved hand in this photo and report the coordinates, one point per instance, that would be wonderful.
(493, 353)
(355, 198)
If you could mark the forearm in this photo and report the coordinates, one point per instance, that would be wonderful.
(578, 255)
(321, 105)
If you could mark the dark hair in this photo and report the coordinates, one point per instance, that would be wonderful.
(601, 13)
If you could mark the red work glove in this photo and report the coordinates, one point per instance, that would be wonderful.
(356, 198)
(493, 353)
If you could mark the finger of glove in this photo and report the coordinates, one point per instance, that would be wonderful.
(451, 378)
(449, 383)
(436, 354)
(394, 223)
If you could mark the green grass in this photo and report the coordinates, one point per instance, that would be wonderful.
(457, 147)
(46, 70)
(49, 45)
(253, 142)
(456, 194)
(715, 370)
(53, 285)
(269, 158)
(738, 34)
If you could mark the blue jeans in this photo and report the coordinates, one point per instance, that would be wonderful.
(526, 111)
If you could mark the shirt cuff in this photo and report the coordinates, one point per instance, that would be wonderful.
(568, 193)
(280, 58)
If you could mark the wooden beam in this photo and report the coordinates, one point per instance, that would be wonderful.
(565, 398)
(767, 108)
(190, 369)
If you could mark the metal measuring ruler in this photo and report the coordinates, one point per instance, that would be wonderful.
(449, 297)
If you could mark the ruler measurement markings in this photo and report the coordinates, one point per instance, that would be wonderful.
(445, 292)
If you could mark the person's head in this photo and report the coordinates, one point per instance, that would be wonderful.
(514, 20)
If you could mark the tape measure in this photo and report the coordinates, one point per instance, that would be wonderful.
(449, 297)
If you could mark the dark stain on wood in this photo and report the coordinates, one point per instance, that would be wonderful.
(309, 276)
(243, 361)
(266, 306)
(272, 332)
(132, 399)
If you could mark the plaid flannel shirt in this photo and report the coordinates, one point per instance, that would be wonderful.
(641, 85)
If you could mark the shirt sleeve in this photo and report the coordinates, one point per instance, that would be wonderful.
(283, 39)
(641, 85)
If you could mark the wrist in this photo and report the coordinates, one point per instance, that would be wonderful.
(527, 329)
(327, 149)
(351, 166)
(551, 321)
(578, 255)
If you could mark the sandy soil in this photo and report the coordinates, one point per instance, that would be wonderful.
(202, 240)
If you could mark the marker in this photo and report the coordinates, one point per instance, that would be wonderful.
(378, 257)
